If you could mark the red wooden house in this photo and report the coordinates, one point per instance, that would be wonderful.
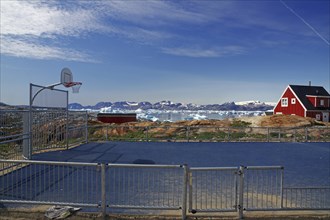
(305, 101)
(116, 118)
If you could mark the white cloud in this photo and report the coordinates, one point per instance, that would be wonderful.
(25, 25)
(141, 35)
(206, 53)
(229, 17)
(42, 20)
(150, 13)
(22, 48)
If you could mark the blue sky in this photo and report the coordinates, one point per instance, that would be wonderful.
(199, 52)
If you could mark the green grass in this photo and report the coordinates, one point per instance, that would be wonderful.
(237, 135)
(239, 123)
(209, 136)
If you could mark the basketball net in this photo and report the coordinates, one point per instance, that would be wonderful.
(74, 85)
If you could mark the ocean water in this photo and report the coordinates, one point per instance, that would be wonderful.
(194, 115)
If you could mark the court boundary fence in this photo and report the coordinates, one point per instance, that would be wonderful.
(203, 133)
(188, 190)
(26, 132)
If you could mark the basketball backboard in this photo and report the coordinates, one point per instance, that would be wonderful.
(66, 76)
(67, 80)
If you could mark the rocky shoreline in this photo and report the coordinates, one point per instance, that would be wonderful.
(287, 121)
(287, 128)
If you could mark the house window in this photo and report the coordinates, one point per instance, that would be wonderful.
(284, 102)
(293, 101)
(321, 102)
(318, 117)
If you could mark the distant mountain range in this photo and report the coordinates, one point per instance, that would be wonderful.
(4, 106)
(168, 105)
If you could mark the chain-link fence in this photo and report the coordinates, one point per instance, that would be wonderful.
(207, 133)
(51, 129)
(56, 128)
(14, 133)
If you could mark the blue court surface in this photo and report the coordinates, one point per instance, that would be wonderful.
(305, 164)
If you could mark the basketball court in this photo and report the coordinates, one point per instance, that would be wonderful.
(156, 175)
(305, 164)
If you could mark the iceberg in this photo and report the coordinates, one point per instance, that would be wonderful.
(196, 117)
(148, 117)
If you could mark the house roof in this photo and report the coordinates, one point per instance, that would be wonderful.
(303, 91)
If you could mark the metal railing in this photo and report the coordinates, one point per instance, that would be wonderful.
(77, 127)
(60, 129)
(207, 133)
(50, 129)
(58, 183)
(213, 189)
(263, 188)
(306, 198)
(13, 133)
(155, 187)
(57, 128)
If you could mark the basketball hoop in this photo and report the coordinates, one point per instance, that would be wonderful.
(67, 80)
(74, 85)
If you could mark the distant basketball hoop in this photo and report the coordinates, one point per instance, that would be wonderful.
(67, 80)
(47, 97)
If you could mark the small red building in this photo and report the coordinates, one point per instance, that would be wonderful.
(116, 118)
(305, 101)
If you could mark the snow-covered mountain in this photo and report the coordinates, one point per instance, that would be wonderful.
(169, 105)
(256, 103)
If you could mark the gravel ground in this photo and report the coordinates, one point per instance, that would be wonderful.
(37, 213)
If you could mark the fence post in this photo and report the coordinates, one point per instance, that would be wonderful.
(26, 135)
(67, 123)
(86, 128)
(268, 134)
(103, 192)
(30, 126)
(187, 133)
(184, 196)
(106, 134)
(147, 135)
(279, 135)
(282, 180)
(190, 189)
(228, 134)
(240, 192)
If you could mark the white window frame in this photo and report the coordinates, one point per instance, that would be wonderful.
(318, 117)
(293, 101)
(284, 102)
(322, 102)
